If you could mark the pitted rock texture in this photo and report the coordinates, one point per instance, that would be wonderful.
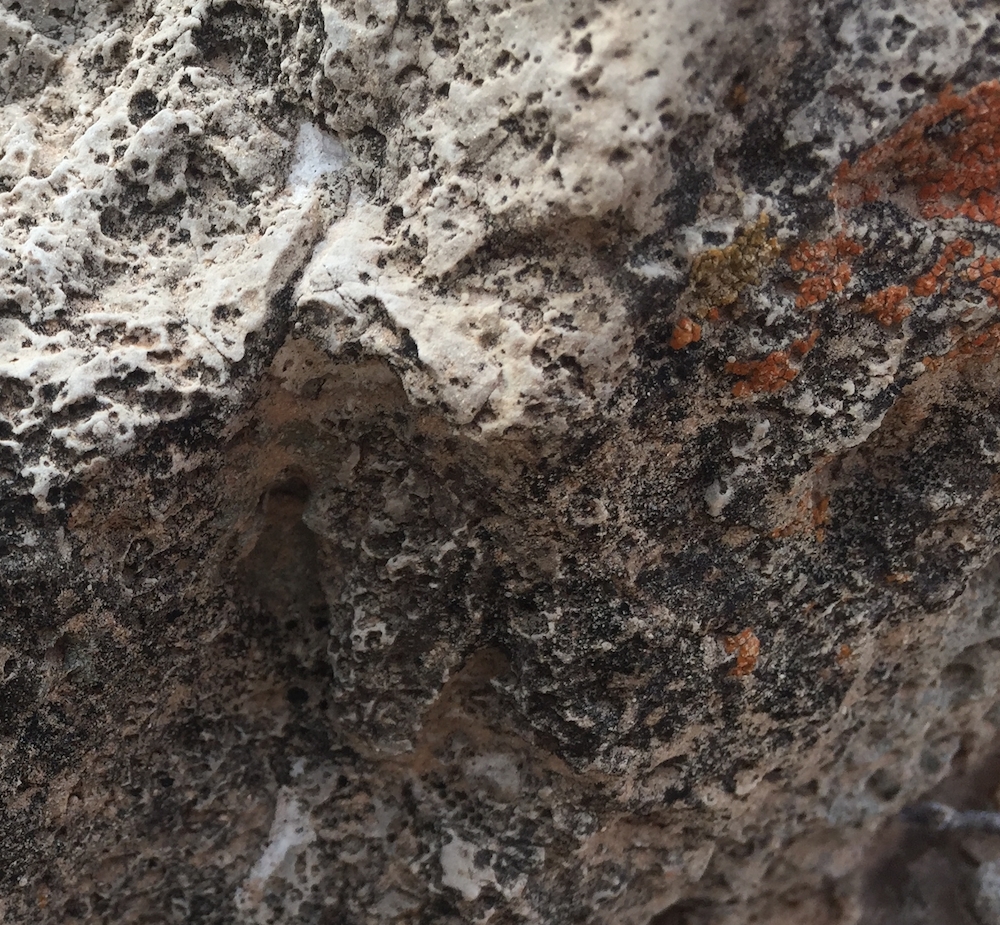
(517, 462)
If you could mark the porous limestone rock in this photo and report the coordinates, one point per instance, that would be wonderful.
(494, 460)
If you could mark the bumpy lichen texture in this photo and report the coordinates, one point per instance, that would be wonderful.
(719, 275)
(515, 461)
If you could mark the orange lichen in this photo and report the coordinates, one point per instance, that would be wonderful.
(829, 262)
(685, 332)
(938, 278)
(982, 346)
(986, 272)
(772, 373)
(817, 257)
(887, 305)
(943, 163)
(746, 645)
(949, 151)
(803, 345)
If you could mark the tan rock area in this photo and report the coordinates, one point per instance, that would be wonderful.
(512, 461)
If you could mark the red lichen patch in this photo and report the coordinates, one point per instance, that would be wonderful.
(981, 347)
(685, 332)
(986, 272)
(939, 276)
(802, 346)
(949, 151)
(887, 305)
(746, 645)
(944, 163)
(829, 262)
(772, 373)
(818, 257)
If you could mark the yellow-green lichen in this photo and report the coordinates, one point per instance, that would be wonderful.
(719, 275)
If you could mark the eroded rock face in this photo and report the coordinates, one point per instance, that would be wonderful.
(529, 462)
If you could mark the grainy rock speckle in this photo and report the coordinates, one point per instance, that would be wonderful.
(515, 462)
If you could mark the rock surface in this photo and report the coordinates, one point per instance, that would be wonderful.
(528, 462)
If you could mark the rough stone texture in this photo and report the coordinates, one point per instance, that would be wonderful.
(519, 461)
